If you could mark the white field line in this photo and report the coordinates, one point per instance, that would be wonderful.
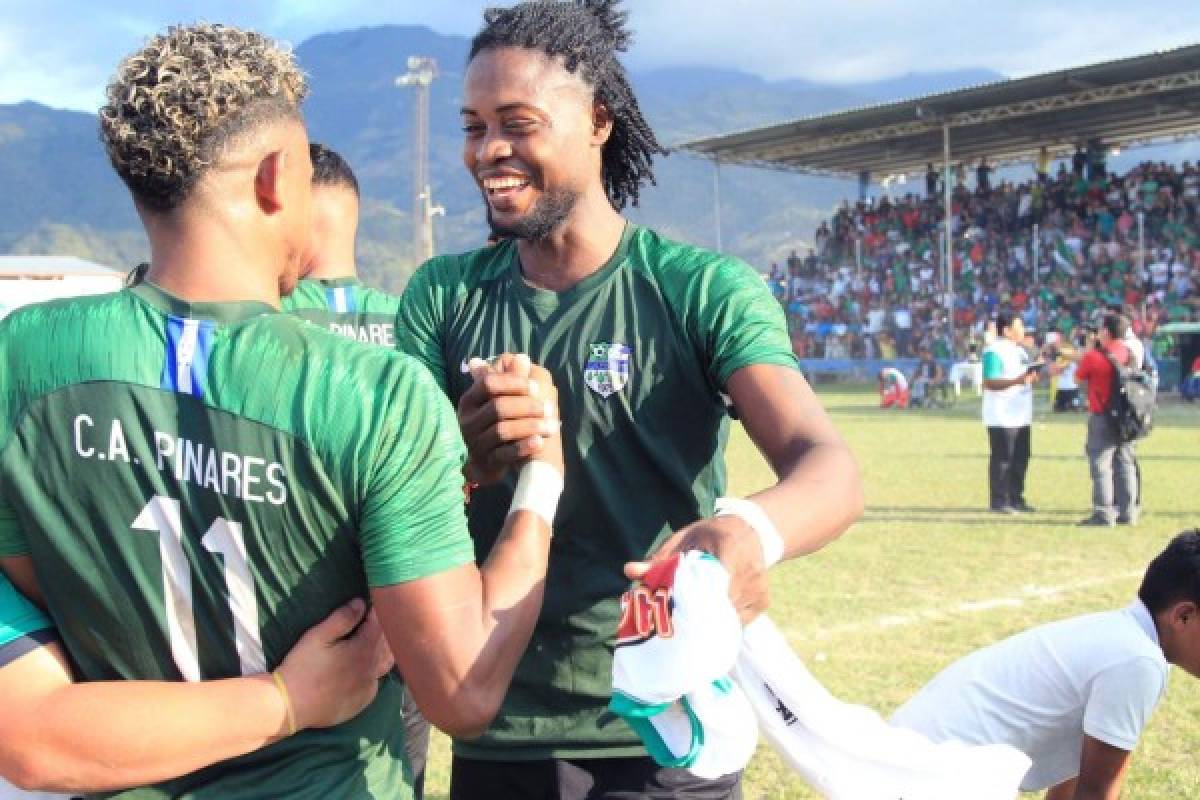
(1028, 593)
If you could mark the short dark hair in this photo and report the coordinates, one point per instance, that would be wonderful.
(1115, 325)
(1174, 575)
(330, 169)
(1004, 321)
(587, 35)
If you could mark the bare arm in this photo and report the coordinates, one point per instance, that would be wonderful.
(1064, 791)
(458, 635)
(1102, 769)
(999, 384)
(819, 493)
(56, 735)
(817, 497)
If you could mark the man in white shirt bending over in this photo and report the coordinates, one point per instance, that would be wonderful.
(1074, 695)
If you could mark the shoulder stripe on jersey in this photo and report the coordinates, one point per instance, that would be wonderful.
(189, 345)
(341, 299)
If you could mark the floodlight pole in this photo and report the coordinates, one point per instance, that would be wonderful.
(1141, 219)
(1037, 254)
(948, 258)
(717, 200)
(421, 73)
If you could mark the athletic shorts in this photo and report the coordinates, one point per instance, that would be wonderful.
(584, 779)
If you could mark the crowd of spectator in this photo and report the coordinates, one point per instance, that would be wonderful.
(873, 286)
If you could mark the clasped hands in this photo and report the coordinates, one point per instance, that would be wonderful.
(510, 414)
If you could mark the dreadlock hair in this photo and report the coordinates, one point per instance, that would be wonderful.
(586, 35)
(330, 169)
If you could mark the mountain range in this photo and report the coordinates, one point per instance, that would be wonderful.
(62, 197)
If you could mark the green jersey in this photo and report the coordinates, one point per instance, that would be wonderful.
(198, 484)
(347, 307)
(640, 352)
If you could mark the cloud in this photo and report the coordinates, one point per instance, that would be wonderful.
(62, 52)
(870, 40)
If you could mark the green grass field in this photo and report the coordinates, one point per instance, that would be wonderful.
(927, 575)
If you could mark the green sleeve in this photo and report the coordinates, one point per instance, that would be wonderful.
(413, 521)
(18, 617)
(993, 367)
(739, 322)
(419, 321)
(12, 540)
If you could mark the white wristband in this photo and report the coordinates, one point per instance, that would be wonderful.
(753, 515)
(538, 488)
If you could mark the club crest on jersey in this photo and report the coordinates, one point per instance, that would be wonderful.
(607, 368)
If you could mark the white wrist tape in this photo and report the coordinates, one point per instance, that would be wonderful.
(753, 515)
(539, 486)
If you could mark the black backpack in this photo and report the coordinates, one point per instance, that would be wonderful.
(1130, 410)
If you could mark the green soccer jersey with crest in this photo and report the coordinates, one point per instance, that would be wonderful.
(198, 484)
(641, 352)
(346, 307)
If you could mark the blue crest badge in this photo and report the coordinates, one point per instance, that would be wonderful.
(607, 368)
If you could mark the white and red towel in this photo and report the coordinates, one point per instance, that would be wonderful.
(680, 641)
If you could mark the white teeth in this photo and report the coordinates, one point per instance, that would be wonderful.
(495, 184)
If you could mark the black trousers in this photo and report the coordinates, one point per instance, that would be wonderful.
(583, 779)
(1007, 466)
(416, 743)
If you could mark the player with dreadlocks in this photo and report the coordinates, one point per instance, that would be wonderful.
(646, 338)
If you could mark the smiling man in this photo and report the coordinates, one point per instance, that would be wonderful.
(650, 343)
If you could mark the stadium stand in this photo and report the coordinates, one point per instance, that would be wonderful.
(871, 288)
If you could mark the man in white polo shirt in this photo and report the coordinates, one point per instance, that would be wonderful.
(1074, 695)
(1008, 413)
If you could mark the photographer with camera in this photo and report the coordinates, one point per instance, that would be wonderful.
(1111, 460)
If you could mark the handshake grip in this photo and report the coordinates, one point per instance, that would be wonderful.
(510, 419)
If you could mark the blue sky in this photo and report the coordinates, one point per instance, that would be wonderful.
(60, 52)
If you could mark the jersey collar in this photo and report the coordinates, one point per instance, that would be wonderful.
(338, 283)
(223, 313)
(548, 298)
(1145, 620)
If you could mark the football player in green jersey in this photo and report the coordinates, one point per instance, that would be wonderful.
(646, 338)
(193, 479)
(331, 295)
(56, 735)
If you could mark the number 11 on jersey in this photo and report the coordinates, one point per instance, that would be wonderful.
(162, 516)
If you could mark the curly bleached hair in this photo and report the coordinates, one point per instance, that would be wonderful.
(173, 105)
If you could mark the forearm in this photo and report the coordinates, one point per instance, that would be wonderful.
(1064, 791)
(513, 581)
(816, 499)
(819, 493)
(112, 735)
(459, 636)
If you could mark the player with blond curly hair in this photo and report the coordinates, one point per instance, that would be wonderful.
(191, 479)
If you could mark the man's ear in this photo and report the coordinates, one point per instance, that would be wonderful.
(1186, 613)
(602, 123)
(268, 182)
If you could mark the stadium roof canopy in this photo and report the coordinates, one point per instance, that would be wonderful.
(1132, 101)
